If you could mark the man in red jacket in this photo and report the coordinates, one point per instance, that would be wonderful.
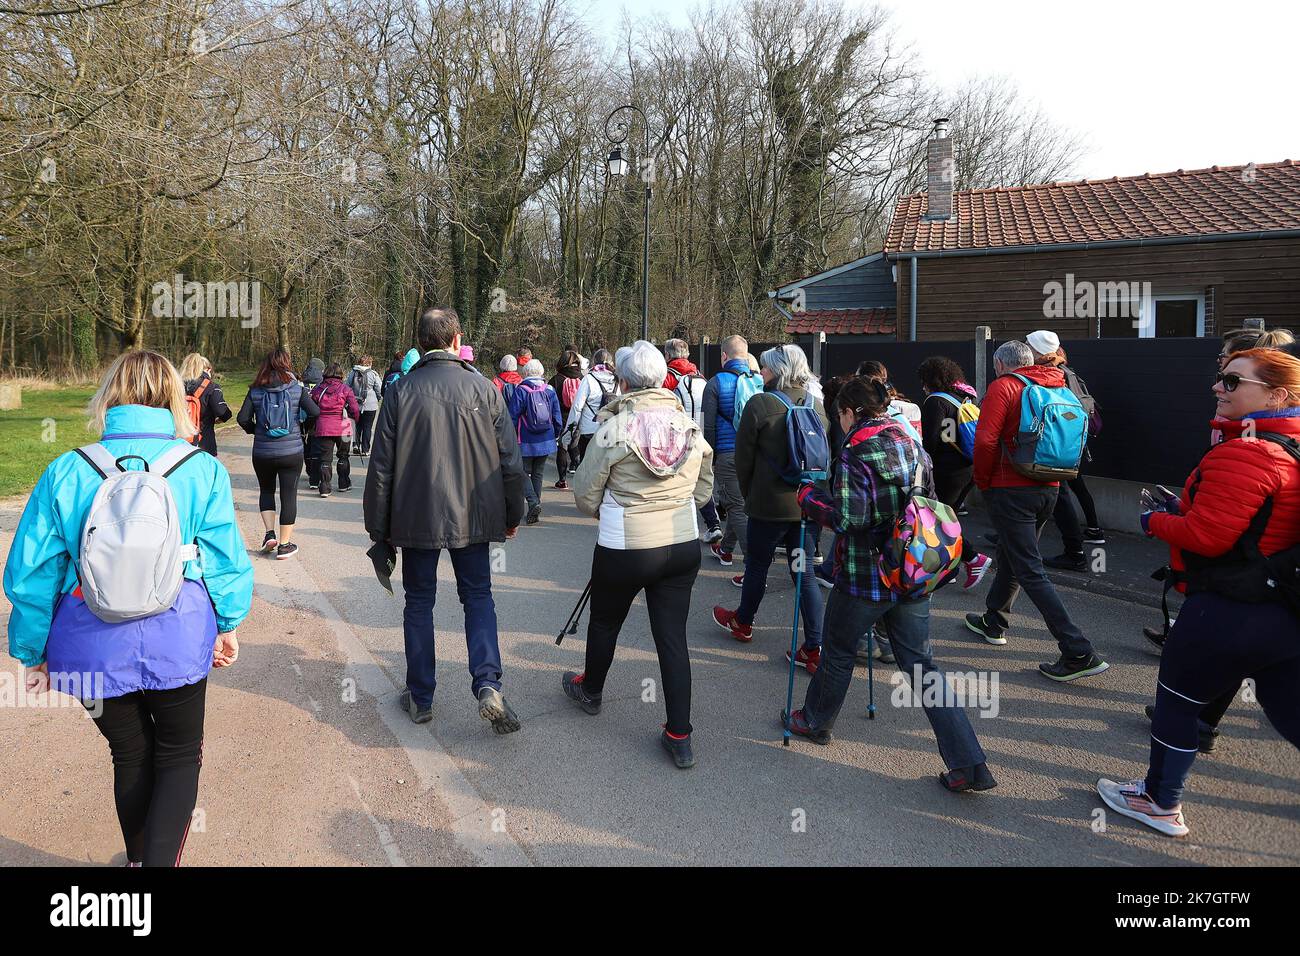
(1019, 507)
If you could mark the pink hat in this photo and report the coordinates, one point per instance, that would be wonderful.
(467, 353)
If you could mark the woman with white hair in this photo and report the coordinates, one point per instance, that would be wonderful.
(535, 408)
(644, 477)
(762, 447)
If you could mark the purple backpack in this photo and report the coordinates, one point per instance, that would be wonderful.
(537, 409)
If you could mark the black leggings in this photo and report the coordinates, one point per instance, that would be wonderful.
(156, 739)
(666, 575)
(286, 472)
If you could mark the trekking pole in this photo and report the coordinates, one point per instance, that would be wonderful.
(794, 631)
(571, 625)
(871, 673)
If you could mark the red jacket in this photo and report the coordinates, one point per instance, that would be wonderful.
(679, 367)
(1225, 490)
(506, 378)
(999, 422)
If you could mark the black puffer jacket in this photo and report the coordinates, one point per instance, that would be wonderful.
(445, 470)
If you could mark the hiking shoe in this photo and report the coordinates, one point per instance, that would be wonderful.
(1094, 536)
(324, 492)
(1209, 736)
(807, 658)
(534, 515)
(976, 568)
(269, 543)
(727, 621)
(1066, 669)
(574, 690)
(1131, 800)
(724, 557)
(418, 714)
(962, 779)
(1155, 635)
(712, 535)
(738, 580)
(1067, 562)
(492, 706)
(979, 624)
(285, 551)
(800, 727)
(884, 650)
(679, 748)
(561, 485)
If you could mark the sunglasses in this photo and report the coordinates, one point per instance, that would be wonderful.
(1230, 381)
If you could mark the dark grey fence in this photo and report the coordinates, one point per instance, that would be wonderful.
(1154, 394)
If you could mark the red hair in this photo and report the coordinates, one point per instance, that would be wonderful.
(277, 369)
(1277, 368)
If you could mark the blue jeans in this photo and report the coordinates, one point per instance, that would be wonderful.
(760, 547)
(474, 587)
(847, 619)
(534, 469)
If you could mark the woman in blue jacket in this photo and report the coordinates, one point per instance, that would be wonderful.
(144, 680)
(537, 433)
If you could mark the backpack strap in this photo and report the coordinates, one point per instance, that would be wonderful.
(99, 458)
(172, 458)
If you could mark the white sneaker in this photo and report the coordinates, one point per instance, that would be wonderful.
(1131, 800)
(712, 535)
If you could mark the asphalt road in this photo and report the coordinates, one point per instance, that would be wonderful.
(308, 760)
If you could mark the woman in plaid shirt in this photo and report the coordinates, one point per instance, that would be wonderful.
(869, 486)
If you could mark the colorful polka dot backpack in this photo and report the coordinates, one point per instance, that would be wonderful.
(923, 551)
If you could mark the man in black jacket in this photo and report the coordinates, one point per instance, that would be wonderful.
(445, 472)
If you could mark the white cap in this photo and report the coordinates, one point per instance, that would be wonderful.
(1043, 342)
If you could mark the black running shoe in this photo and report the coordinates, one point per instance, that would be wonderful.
(493, 707)
(1067, 562)
(1209, 736)
(1066, 669)
(980, 625)
(574, 690)
(285, 551)
(534, 515)
(962, 779)
(1155, 635)
(269, 543)
(679, 748)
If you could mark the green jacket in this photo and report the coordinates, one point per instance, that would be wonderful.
(761, 439)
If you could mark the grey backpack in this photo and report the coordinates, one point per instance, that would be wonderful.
(132, 556)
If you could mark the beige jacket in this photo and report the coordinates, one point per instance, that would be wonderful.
(645, 473)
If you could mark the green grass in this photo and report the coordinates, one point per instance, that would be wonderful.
(53, 421)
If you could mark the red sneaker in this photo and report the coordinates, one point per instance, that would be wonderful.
(738, 580)
(724, 557)
(727, 621)
(809, 660)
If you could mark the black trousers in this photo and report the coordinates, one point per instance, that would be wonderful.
(156, 739)
(948, 488)
(365, 428)
(667, 576)
(330, 448)
(284, 472)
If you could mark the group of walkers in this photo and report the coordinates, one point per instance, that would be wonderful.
(761, 458)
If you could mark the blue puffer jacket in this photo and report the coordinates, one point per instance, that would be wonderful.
(725, 383)
(41, 575)
(540, 442)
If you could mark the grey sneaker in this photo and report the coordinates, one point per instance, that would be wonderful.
(493, 707)
(418, 714)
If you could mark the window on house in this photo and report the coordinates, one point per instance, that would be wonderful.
(1172, 315)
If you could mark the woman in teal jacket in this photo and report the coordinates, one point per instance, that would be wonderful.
(144, 681)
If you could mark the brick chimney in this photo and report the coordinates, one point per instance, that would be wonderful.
(939, 172)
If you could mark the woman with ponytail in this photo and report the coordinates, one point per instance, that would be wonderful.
(869, 485)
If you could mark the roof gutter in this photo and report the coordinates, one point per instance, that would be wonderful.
(1106, 244)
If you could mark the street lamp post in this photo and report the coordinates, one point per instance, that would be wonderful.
(618, 166)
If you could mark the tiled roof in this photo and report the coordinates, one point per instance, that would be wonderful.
(1232, 199)
(843, 322)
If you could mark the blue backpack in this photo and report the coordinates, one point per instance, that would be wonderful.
(537, 409)
(274, 411)
(967, 418)
(810, 452)
(1050, 438)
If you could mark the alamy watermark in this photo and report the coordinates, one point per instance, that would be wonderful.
(82, 690)
(1084, 299)
(209, 300)
(977, 689)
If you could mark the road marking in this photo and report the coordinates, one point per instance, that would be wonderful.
(385, 836)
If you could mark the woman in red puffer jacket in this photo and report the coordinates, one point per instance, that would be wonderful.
(335, 427)
(1219, 639)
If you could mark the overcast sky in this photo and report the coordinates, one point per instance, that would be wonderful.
(1150, 85)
